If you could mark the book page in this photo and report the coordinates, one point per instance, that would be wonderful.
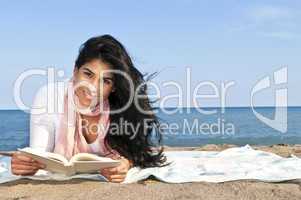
(91, 163)
(57, 157)
(43, 154)
(89, 157)
(54, 162)
(79, 163)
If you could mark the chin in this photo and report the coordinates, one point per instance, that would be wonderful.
(85, 103)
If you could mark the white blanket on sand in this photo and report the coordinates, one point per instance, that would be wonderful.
(236, 163)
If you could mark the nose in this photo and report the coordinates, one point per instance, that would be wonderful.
(97, 86)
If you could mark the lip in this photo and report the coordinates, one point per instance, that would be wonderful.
(95, 108)
(89, 96)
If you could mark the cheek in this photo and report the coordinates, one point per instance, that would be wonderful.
(81, 93)
(79, 89)
(107, 91)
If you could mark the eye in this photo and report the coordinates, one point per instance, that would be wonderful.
(88, 74)
(107, 81)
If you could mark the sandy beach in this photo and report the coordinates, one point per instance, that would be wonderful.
(152, 189)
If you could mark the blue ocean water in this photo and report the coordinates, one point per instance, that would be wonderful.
(183, 128)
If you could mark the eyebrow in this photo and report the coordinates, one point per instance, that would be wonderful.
(86, 68)
(109, 78)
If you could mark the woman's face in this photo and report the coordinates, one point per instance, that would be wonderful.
(96, 74)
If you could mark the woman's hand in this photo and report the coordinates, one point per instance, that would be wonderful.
(24, 165)
(117, 174)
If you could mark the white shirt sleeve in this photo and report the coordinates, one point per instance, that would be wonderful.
(42, 125)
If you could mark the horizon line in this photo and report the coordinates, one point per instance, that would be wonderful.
(207, 107)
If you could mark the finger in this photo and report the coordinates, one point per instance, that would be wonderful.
(117, 176)
(120, 168)
(24, 172)
(106, 172)
(22, 161)
(23, 167)
(38, 165)
(110, 170)
(24, 158)
(111, 178)
(117, 180)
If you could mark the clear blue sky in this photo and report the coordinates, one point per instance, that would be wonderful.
(220, 40)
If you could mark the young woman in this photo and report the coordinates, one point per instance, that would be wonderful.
(118, 96)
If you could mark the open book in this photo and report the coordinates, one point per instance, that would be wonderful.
(79, 163)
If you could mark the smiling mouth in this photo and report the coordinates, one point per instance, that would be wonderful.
(88, 95)
(95, 108)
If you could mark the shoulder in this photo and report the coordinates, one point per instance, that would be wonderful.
(49, 98)
(48, 104)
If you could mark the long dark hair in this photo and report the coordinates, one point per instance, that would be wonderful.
(144, 146)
